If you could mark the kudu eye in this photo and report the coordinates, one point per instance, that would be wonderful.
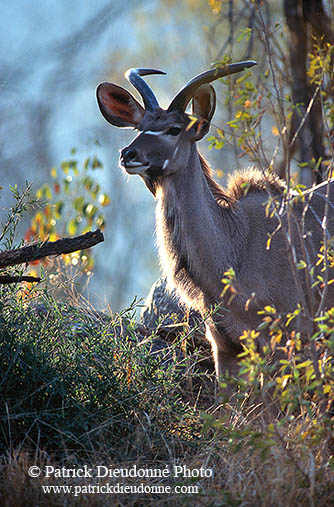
(173, 131)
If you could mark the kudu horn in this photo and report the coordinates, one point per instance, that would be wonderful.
(183, 97)
(134, 77)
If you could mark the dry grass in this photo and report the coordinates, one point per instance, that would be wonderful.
(78, 390)
(242, 478)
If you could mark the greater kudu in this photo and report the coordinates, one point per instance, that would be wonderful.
(203, 230)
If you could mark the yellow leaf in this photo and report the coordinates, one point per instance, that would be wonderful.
(67, 259)
(104, 199)
(326, 389)
(192, 122)
(72, 227)
(275, 131)
(270, 309)
(53, 236)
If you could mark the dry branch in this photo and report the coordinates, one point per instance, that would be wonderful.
(38, 251)
(6, 279)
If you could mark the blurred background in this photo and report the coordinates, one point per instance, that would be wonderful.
(53, 55)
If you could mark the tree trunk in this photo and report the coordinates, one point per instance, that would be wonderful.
(305, 18)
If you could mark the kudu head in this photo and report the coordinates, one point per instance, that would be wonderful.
(165, 137)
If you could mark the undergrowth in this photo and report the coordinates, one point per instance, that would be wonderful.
(73, 380)
(81, 387)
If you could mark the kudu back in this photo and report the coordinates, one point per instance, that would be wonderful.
(271, 239)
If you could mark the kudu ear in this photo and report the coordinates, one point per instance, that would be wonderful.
(118, 106)
(203, 108)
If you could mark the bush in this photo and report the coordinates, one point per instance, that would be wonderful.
(71, 379)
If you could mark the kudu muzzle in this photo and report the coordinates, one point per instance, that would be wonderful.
(130, 160)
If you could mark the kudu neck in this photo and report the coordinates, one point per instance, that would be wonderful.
(196, 224)
(193, 185)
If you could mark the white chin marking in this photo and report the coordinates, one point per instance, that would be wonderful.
(135, 164)
(136, 169)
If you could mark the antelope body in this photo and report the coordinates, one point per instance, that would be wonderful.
(204, 230)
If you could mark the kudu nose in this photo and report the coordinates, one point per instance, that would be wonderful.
(128, 155)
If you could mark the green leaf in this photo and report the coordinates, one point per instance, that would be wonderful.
(88, 182)
(100, 221)
(89, 210)
(48, 192)
(245, 32)
(86, 163)
(96, 163)
(78, 203)
(59, 208)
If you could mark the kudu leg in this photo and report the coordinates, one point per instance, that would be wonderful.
(226, 361)
(224, 355)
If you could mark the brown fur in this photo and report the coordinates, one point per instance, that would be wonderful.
(254, 180)
(199, 241)
(241, 182)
